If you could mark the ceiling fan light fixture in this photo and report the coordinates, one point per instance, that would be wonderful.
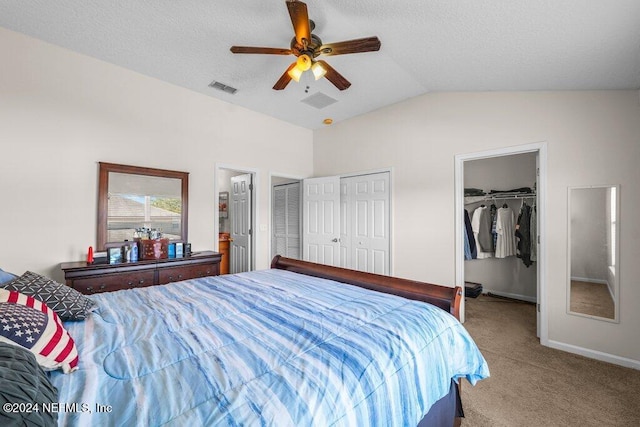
(295, 73)
(318, 70)
(303, 62)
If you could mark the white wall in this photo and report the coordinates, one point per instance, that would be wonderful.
(61, 113)
(592, 138)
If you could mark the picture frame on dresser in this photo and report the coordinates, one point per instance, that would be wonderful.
(114, 255)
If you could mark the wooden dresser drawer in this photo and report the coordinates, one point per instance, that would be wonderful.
(175, 274)
(114, 282)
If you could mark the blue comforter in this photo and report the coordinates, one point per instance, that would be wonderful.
(261, 348)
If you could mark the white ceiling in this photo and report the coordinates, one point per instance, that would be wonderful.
(427, 46)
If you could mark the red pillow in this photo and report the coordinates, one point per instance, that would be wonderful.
(29, 323)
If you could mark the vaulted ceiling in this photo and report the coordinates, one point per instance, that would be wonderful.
(427, 46)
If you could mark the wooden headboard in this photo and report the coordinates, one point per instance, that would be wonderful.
(445, 297)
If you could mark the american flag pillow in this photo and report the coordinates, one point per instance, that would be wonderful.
(29, 323)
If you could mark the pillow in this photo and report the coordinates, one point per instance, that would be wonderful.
(30, 324)
(64, 300)
(24, 383)
(6, 276)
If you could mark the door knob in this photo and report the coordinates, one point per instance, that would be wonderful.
(335, 240)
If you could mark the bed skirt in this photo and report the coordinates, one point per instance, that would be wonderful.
(445, 412)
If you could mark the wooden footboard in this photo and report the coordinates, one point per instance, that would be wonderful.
(441, 296)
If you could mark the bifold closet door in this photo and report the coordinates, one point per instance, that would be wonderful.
(286, 220)
(365, 223)
(321, 220)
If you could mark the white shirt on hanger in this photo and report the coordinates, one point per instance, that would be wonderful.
(506, 230)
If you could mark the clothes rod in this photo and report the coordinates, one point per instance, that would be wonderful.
(505, 197)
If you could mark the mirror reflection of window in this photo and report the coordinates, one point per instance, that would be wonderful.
(593, 282)
(612, 222)
(137, 201)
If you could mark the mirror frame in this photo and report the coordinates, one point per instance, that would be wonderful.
(103, 191)
(616, 285)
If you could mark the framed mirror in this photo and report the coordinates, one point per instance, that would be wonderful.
(131, 197)
(594, 228)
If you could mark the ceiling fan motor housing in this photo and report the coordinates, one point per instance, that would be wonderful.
(312, 48)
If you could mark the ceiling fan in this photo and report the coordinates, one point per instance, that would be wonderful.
(307, 47)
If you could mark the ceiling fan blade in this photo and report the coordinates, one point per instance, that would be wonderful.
(284, 79)
(367, 44)
(262, 50)
(300, 20)
(335, 77)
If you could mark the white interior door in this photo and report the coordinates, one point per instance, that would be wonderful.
(321, 220)
(364, 222)
(240, 211)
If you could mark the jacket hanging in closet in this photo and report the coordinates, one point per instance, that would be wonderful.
(524, 235)
(470, 249)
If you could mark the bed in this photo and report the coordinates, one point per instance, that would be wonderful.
(299, 344)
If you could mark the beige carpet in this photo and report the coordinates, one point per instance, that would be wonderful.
(532, 385)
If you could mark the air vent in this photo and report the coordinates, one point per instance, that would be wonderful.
(223, 87)
(319, 100)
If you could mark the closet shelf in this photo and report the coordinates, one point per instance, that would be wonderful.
(502, 196)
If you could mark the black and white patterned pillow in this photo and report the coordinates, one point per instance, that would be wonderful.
(68, 303)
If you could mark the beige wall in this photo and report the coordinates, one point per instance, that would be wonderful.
(592, 138)
(61, 113)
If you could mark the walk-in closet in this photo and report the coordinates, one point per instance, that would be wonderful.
(500, 204)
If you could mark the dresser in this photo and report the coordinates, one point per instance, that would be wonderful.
(94, 278)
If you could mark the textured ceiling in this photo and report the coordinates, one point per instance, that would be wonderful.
(427, 46)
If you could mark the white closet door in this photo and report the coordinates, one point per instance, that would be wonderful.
(321, 220)
(286, 220)
(365, 242)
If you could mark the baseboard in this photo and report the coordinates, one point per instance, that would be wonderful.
(511, 295)
(589, 280)
(594, 354)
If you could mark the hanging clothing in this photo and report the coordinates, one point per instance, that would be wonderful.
(494, 216)
(467, 248)
(523, 234)
(469, 239)
(533, 231)
(481, 225)
(506, 231)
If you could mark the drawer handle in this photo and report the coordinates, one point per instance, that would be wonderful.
(141, 281)
(102, 286)
(90, 289)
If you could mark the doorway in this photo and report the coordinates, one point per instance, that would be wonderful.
(539, 151)
(236, 224)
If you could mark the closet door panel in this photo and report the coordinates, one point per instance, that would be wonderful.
(321, 220)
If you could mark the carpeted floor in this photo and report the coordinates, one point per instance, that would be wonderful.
(592, 298)
(532, 385)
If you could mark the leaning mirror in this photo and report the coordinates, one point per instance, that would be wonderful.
(131, 197)
(593, 251)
